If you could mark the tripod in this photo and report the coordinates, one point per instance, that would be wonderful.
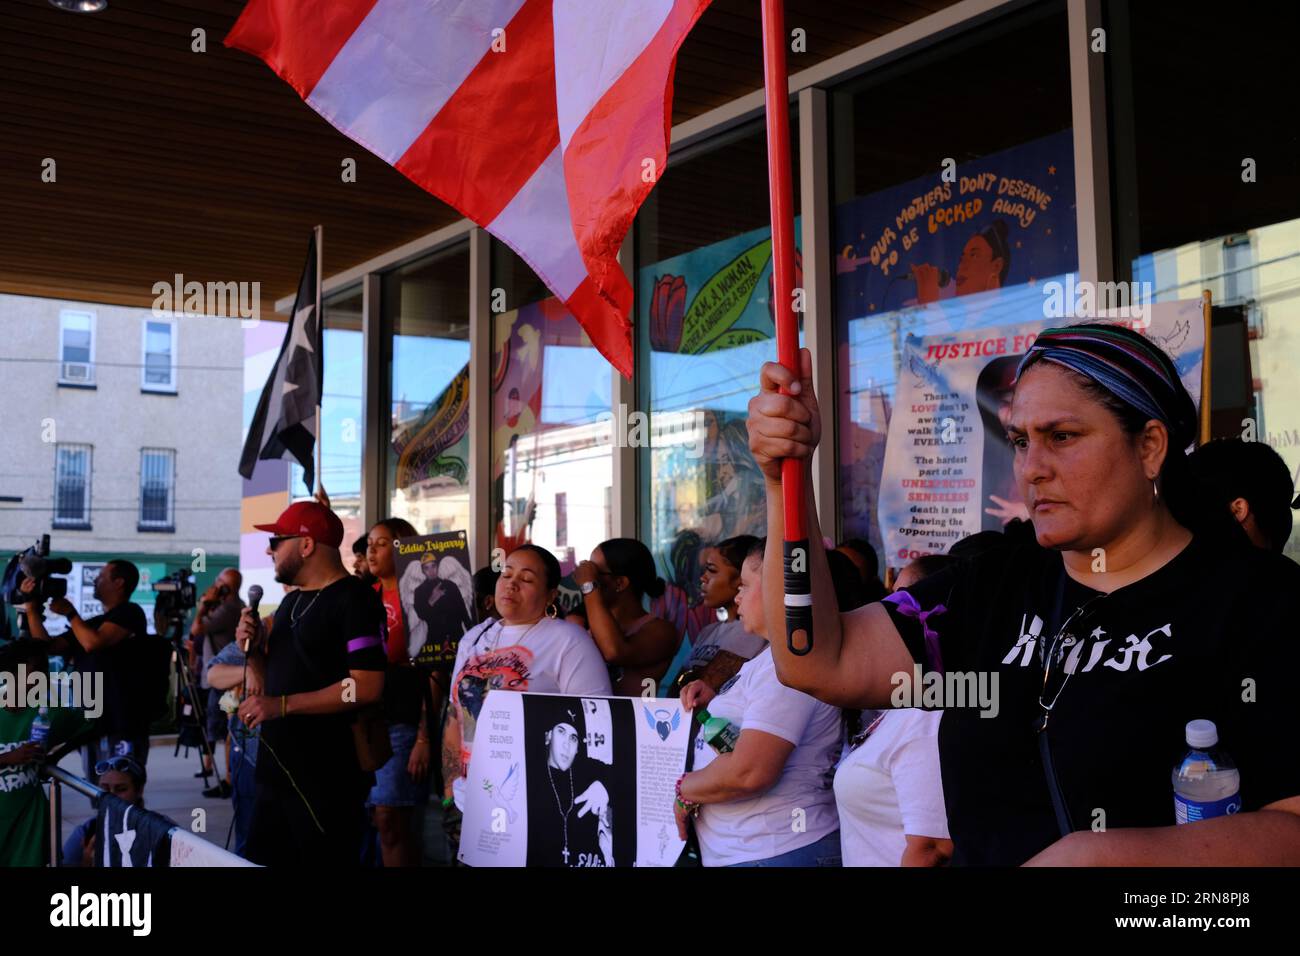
(175, 634)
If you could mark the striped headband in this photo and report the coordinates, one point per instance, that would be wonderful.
(1126, 364)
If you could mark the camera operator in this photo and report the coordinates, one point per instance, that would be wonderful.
(324, 661)
(215, 623)
(108, 643)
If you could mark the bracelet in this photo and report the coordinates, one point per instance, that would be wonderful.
(690, 806)
(447, 802)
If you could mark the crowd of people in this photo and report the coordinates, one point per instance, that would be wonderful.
(1146, 590)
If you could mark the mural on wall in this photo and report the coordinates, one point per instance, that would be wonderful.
(710, 326)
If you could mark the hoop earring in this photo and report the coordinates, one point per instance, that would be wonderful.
(552, 611)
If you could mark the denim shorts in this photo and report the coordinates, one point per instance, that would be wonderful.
(216, 717)
(394, 787)
(823, 852)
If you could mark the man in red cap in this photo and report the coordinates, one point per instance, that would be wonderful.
(324, 660)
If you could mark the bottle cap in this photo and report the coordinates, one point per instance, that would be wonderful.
(702, 715)
(1202, 734)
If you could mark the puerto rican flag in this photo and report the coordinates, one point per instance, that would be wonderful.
(544, 121)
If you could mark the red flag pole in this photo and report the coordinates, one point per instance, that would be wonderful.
(798, 592)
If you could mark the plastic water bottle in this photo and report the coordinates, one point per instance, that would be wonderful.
(1206, 781)
(718, 732)
(41, 726)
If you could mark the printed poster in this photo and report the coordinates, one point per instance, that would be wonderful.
(948, 466)
(436, 589)
(574, 781)
(961, 247)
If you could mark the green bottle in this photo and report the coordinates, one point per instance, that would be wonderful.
(718, 732)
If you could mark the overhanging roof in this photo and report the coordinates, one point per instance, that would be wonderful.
(206, 164)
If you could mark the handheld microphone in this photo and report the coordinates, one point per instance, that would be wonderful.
(254, 599)
(944, 277)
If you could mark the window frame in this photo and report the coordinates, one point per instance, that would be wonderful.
(145, 384)
(82, 523)
(64, 315)
(168, 524)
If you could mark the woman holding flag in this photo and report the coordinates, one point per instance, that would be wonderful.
(1133, 611)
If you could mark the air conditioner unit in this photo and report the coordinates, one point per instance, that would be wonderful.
(80, 372)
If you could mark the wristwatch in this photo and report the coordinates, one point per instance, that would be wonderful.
(587, 587)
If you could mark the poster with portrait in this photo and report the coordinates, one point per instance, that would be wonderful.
(574, 781)
(967, 245)
(437, 593)
(948, 465)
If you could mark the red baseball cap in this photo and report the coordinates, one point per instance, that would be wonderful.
(308, 518)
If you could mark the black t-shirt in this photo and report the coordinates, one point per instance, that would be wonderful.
(1212, 634)
(316, 639)
(125, 672)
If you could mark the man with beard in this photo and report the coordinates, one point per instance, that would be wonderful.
(323, 661)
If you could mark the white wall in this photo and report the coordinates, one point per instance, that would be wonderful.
(201, 422)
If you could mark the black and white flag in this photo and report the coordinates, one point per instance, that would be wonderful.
(131, 836)
(285, 423)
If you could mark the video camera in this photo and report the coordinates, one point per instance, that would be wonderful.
(176, 595)
(36, 564)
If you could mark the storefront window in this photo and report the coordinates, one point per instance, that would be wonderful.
(704, 324)
(953, 221)
(426, 326)
(1213, 205)
(551, 462)
(341, 410)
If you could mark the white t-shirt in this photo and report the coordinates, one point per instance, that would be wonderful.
(761, 827)
(890, 786)
(548, 657)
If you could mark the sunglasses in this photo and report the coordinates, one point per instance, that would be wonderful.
(1053, 654)
(278, 539)
(121, 765)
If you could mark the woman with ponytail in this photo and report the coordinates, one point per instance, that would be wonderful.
(636, 645)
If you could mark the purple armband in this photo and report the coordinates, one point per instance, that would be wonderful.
(908, 607)
(361, 643)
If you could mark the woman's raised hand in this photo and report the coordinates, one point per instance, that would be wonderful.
(783, 426)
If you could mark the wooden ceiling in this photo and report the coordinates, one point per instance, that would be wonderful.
(205, 164)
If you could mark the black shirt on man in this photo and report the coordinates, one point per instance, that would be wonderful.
(310, 799)
(126, 674)
(1212, 634)
(316, 639)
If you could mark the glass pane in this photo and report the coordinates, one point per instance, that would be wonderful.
(71, 479)
(1239, 240)
(342, 432)
(550, 421)
(952, 212)
(155, 488)
(76, 345)
(704, 319)
(426, 318)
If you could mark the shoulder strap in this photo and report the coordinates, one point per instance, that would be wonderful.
(1056, 617)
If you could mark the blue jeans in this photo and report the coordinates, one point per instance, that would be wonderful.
(824, 852)
(242, 790)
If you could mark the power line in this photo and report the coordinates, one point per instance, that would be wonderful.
(98, 362)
